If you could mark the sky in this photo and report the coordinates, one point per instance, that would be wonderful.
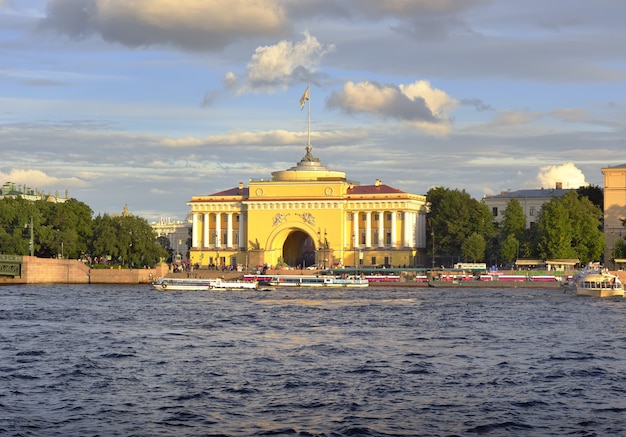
(146, 103)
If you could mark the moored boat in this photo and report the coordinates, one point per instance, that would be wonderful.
(318, 281)
(595, 281)
(222, 285)
(495, 281)
(182, 284)
(197, 284)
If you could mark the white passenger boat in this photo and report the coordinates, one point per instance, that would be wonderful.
(222, 285)
(318, 281)
(197, 284)
(595, 281)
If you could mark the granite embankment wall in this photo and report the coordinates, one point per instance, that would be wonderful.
(67, 271)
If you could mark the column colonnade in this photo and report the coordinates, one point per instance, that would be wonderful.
(409, 235)
(202, 237)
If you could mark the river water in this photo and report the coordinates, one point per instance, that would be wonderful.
(130, 361)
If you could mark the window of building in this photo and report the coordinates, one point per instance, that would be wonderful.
(494, 210)
(373, 260)
(531, 212)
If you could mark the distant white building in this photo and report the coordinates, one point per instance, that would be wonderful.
(12, 190)
(530, 200)
(177, 233)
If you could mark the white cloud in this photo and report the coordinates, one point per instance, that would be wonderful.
(266, 138)
(417, 104)
(37, 179)
(282, 64)
(567, 174)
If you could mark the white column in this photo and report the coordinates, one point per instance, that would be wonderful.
(194, 230)
(355, 225)
(218, 229)
(242, 230)
(406, 225)
(381, 229)
(205, 230)
(368, 229)
(393, 229)
(229, 234)
(412, 229)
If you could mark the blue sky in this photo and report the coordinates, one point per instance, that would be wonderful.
(146, 103)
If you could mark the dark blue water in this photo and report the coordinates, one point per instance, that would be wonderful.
(130, 361)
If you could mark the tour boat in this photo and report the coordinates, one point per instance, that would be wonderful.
(318, 281)
(197, 284)
(595, 281)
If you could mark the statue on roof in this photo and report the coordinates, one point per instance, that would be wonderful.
(308, 157)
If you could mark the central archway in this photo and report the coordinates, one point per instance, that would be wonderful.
(299, 249)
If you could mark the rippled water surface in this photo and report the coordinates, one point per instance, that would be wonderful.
(130, 361)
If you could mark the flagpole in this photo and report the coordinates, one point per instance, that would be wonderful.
(309, 117)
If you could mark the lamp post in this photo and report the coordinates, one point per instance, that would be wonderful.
(432, 235)
(217, 250)
(31, 243)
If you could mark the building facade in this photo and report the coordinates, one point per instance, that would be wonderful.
(614, 210)
(13, 190)
(308, 215)
(530, 200)
(177, 234)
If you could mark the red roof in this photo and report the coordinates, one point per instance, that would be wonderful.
(356, 190)
(373, 189)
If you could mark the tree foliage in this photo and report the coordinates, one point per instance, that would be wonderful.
(15, 217)
(566, 227)
(126, 240)
(67, 229)
(473, 248)
(594, 193)
(514, 221)
(64, 229)
(454, 216)
(569, 227)
(509, 249)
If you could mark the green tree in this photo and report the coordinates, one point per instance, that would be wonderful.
(104, 242)
(65, 228)
(509, 249)
(514, 221)
(473, 248)
(164, 242)
(594, 193)
(15, 217)
(569, 227)
(454, 216)
(587, 239)
(127, 240)
(554, 232)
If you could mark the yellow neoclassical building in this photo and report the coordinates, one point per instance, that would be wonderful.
(306, 215)
(614, 210)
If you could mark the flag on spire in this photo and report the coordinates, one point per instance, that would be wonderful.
(304, 98)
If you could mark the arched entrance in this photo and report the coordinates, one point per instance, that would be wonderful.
(299, 249)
